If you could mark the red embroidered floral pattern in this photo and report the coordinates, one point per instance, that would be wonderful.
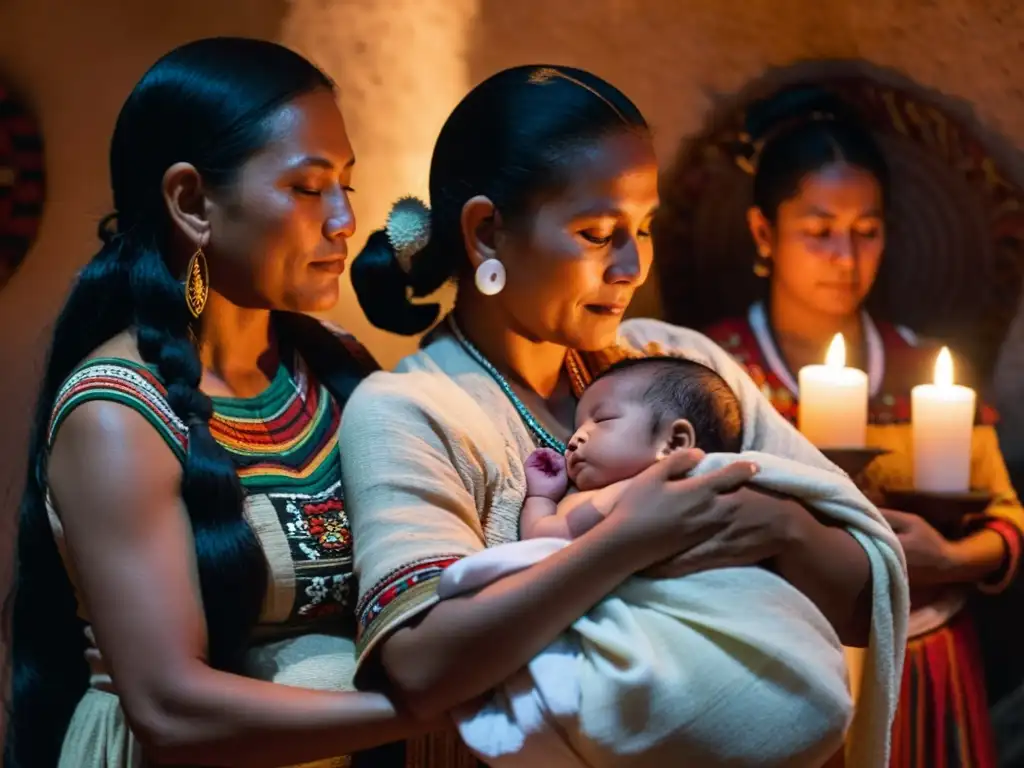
(327, 524)
(324, 595)
(320, 542)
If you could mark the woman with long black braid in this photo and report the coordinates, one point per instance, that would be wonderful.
(183, 538)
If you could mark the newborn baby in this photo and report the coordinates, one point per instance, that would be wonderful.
(635, 414)
(629, 684)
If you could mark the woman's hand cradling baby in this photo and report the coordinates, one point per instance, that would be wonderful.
(746, 527)
(670, 515)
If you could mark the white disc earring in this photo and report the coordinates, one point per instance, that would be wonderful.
(490, 277)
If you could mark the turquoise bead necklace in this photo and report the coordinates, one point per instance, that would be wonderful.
(536, 428)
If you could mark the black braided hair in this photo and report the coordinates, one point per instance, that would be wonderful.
(206, 103)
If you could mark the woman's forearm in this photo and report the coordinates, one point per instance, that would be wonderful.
(465, 646)
(976, 557)
(200, 716)
(828, 566)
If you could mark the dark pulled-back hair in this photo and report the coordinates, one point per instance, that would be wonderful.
(208, 103)
(512, 139)
(677, 388)
(797, 132)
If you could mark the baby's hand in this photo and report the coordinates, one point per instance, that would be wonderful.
(546, 475)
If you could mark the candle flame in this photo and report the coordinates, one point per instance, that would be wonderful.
(836, 357)
(944, 368)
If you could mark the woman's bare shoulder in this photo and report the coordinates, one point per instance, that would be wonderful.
(112, 398)
(123, 346)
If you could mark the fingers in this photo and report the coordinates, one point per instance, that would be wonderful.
(545, 460)
(724, 480)
(723, 550)
(706, 556)
(676, 465)
(899, 521)
(673, 568)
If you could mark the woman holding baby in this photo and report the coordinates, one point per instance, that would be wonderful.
(184, 583)
(820, 193)
(543, 184)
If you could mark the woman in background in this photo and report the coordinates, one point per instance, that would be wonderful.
(820, 191)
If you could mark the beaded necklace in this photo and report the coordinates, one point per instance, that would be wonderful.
(535, 427)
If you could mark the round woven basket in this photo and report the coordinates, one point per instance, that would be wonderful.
(955, 247)
(21, 183)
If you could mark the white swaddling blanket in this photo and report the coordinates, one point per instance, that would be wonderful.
(726, 667)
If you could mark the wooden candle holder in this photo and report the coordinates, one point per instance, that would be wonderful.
(948, 513)
(853, 461)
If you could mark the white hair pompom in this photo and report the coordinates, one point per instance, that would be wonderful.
(408, 229)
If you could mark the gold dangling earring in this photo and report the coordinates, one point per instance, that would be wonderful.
(197, 283)
(763, 264)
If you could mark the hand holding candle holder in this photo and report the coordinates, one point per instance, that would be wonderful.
(942, 418)
(854, 461)
(948, 513)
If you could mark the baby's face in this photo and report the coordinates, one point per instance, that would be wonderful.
(613, 439)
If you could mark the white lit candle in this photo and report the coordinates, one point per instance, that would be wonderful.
(942, 415)
(833, 410)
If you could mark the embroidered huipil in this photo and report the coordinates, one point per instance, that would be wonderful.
(284, 443)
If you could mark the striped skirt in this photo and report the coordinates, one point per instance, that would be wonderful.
(943, 715)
